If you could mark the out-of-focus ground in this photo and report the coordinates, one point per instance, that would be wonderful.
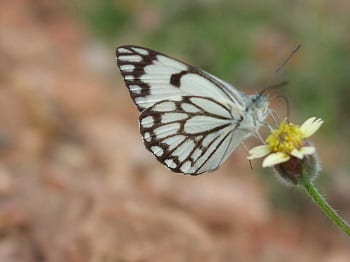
(77, 185)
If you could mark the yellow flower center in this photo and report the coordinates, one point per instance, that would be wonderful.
(285, 139)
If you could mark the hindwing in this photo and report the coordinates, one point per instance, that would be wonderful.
(192, 135)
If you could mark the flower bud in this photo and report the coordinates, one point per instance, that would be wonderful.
(296, 170)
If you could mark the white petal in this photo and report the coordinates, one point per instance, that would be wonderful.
(308, 150)
(310, 126)
(274, 159)
(258, 151)
(297, 153)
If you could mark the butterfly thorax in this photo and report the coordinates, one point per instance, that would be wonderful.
(256, 111)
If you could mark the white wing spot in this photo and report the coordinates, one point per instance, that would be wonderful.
(210, 106)
(185, 166)
(209, 138)
(198, 124)
(196, 154)
(170, 163)
(140, 100)
(205, 157)
(193, 83)
(188, 108)
(147, 122)
(213, 157)
(140, 51)
(127, 68)
(135, 89)
(123, 50)
(147, 137)
(130, 58)
(160, 69)
(167, 106)
(184, 150)
(166, 130)
(173, 117)
(174, 141)
(171, 62)
(158, 151)
(129, 77)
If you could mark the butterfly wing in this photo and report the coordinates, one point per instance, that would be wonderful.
(192, 135)
(190, 120)
(152, 77)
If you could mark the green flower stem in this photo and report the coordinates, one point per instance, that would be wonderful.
(326, 208)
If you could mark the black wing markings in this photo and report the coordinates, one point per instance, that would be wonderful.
(132, 61)
(164, 154)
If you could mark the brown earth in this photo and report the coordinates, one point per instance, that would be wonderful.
(76, 183)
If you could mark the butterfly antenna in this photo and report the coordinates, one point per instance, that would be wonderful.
(278, 85)
(289, 57)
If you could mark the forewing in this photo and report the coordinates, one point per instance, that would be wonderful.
(152, 77)
(192, 135)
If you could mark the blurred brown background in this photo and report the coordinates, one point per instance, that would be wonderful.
(76, 183)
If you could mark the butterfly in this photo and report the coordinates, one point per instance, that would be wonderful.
(190, 120)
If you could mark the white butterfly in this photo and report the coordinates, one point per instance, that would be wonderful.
(190, 120)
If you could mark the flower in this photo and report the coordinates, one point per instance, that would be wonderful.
(287, 142)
